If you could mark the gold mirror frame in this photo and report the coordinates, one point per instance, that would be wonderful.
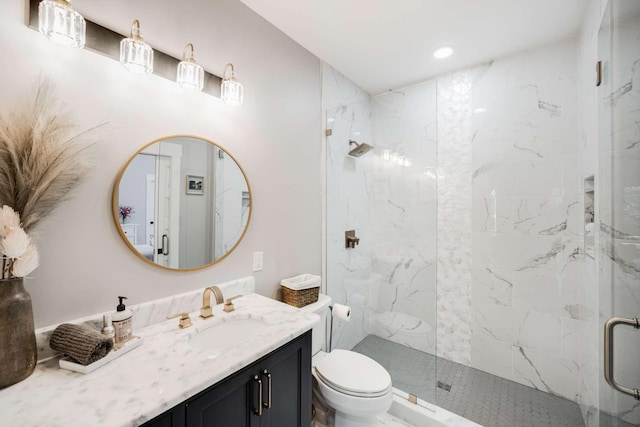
(115, 203)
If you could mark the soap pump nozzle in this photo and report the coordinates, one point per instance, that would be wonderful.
(121, 306)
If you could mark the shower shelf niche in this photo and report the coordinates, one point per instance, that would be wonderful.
(589, 216)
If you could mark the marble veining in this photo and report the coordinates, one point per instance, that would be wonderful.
(403, 218)
(160, 374)
(509, 218)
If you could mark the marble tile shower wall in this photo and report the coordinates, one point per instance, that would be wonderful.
(348, 115)
(403, 218)
(514, 121)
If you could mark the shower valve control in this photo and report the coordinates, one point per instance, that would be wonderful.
(350, 239)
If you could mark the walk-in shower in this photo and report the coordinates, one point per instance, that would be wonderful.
(471, 284)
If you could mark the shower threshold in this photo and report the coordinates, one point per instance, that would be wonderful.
(404, 413)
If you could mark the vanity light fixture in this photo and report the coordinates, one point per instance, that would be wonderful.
(230, 89)
(443, 52)
(60, 23)
(135, 54)
(190, 74)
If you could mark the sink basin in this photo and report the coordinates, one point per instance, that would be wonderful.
(226, 334)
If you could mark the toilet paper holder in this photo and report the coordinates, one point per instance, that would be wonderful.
(342, 312)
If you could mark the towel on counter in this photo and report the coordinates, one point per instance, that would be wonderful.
(82, 344)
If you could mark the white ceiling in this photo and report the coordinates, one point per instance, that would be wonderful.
(389, 44)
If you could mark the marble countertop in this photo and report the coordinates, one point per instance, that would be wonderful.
(152, 378)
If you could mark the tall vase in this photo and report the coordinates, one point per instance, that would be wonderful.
(18, 351)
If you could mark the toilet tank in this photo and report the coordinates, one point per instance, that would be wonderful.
(319, 332)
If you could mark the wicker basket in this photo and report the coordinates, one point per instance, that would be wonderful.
(300, 290)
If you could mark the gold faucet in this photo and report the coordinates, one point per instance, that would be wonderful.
(185, 320)
(228, 306)
(205, 310)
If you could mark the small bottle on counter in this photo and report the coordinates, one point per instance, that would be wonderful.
(107, 327)
(121, 320)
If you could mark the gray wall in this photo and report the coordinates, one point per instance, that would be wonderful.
(85, 265)
(195, 212)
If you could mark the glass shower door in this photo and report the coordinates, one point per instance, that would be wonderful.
(387, 198)
(619, 209)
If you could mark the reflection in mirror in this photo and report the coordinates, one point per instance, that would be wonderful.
(182, 203)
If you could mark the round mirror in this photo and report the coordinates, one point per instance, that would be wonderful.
(182, 203)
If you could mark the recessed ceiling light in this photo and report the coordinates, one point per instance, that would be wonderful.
(443, 52)
(480, 110)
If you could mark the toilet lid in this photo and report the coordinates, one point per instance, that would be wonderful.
(354, 374)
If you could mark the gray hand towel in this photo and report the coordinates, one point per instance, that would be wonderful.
(82, 344)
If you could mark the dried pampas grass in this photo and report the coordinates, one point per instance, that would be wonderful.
(42, 157)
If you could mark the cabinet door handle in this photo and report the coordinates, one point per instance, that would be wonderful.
(258, 411)
(267, 404)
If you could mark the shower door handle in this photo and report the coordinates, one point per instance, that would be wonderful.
(608, 353)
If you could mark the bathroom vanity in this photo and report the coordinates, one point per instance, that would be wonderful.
(273, 391)
(217, 372)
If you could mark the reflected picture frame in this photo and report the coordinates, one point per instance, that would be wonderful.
(195, 184)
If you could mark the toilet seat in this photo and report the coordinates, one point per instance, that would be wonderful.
(353, 374)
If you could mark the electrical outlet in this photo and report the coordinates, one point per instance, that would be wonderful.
(258, 261)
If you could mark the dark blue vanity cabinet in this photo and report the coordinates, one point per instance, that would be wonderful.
(274, 391)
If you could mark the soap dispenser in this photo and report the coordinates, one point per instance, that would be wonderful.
(107, 327)
(121, 321)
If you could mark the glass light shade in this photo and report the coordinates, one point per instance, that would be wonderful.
(190, 76)
(60, 23)
(135, 54)
(230, 89)
(231, 92)
(386, 154)
(407, 162)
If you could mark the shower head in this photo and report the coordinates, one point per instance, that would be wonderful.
(360, 148)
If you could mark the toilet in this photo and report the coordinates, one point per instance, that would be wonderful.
(351, 388)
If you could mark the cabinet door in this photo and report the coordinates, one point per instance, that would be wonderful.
(172, 418)
(290, 371)
(228, 404)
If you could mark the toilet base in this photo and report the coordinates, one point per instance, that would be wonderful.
(346, 420)
(330, 406)
(336, 409)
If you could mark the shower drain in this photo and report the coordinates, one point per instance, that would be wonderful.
(444, 386)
